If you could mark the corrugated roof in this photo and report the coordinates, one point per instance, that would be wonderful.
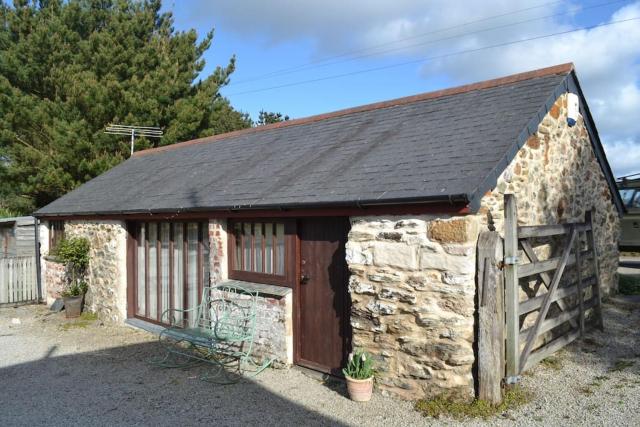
(436, 146)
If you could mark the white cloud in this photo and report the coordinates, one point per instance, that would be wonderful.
(607, 58)
(624, 156)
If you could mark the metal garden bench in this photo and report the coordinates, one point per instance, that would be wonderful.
(219, 332)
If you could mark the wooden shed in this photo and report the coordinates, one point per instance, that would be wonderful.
(17, 237)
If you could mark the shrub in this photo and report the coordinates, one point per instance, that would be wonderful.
(74, 253)
(360, 366)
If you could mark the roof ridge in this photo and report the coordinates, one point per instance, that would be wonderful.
(485, 84)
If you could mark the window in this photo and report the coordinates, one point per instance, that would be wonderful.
(56, 233)
(172, 267)
(626, 194)
(262, 251)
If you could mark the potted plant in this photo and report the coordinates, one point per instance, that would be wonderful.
(73, 297)
(74, 253)
(359, 375)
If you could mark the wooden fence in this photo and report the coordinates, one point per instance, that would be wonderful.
(18, 280)
(530, 308)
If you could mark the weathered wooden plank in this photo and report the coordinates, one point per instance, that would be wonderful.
(534, 303)
(546, 279)
(549, 230)
(512, 297)
(547, 302)
(490, 318)
(17, 280)
(579, 286)
(561, 318)
(530, 269)
(592, 245)
(4, 282)
(550, 348)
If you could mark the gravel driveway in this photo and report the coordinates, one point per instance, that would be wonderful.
(51, 374)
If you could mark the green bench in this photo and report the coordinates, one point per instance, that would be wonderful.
(219, 332)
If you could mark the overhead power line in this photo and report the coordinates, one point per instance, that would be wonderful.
(430, 58)
(327, 61)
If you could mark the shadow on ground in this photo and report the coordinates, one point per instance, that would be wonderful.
(117, 387)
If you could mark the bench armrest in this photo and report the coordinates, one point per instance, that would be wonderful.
(169, 313)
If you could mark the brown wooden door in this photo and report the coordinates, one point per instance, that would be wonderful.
(324, 331)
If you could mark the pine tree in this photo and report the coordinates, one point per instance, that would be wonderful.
(68, 68)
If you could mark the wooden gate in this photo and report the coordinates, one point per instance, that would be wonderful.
(18, 281)
(540, 323)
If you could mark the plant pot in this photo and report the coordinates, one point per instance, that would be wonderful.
(73, 306)
(360, 390)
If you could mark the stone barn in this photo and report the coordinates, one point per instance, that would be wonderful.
(358, 227)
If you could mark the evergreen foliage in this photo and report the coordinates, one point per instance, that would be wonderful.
(68, 68)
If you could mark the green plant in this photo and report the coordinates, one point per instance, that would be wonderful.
(75, 289)
(440, 406)
(359, 366)
(74, 253)
(629, 285)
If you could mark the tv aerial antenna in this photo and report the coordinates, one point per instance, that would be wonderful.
(133, 131)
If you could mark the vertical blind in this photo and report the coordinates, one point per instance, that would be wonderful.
(172, 267)
(260, 247)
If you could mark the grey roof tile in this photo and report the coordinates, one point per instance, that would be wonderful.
(421, 150)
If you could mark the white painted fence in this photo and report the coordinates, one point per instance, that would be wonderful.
(18, 280)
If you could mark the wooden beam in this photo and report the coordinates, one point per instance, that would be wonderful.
(512, 296)
(550, 348)
(546, 279)
(490, 318)
(534, 303)
(592, 245)
(549, 230)
(563, 317)
(579, 285)
(526, 270)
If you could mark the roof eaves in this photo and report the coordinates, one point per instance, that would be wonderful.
(457, 199)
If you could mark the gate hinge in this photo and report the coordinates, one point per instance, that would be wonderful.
(511, 260)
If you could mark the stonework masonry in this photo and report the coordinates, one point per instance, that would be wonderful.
(556, 178)
(413, 293)
(107, 275)
(412, 279)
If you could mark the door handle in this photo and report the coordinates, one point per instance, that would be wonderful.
(304, 279)
(635, 224)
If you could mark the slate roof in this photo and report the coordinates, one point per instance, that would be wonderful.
(442, 146)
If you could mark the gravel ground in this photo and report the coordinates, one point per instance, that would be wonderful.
(96, 375)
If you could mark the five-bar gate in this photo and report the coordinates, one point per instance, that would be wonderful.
(541, 323)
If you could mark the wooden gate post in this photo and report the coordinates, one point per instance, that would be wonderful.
(591, 241)
(512, 296)
(490, 317)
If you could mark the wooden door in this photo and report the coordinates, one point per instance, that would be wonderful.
(324, 331)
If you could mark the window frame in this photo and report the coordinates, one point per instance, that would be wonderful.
(288, 279)
(203, 272)
(56, 233)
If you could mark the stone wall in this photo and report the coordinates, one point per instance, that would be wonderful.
(107, 273)
(54, 274)
(412, 288)
(274, 324)
(556, 178)
(274, 329)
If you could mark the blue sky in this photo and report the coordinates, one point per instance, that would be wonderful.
(280, 34)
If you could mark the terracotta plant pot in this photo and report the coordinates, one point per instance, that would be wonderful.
(360, 390)
(73, 306)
